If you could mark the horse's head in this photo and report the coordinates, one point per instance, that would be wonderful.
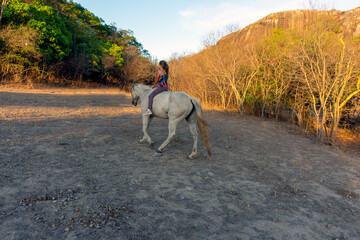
(134, 94)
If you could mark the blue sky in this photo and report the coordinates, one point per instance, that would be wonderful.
(179, 26)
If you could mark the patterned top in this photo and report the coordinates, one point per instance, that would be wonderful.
(163, 80)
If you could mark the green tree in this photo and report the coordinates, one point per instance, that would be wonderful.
(71, 42)
(55, 39)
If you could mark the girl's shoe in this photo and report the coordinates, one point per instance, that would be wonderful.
(148, 112)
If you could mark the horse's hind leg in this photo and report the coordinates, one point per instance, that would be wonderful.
(192, 125)
(146, 123)
(193, 131)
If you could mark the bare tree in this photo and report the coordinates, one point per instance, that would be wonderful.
(317, 5)
(313, 74)
(329, 78)
(136, 68)
(213, 37)
(347, 85)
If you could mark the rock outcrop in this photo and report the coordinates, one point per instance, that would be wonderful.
(297, 19)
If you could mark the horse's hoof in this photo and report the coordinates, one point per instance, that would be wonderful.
(192, 156)
(157, 154)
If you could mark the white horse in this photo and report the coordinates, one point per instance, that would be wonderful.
(174, 106)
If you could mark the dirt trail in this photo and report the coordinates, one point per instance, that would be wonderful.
(71, 167)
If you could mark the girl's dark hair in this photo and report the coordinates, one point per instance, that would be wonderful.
(164, 66)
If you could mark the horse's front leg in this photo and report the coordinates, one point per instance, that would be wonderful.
(172, 130)
(146, 123)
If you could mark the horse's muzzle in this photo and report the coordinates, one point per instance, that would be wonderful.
(134, 102)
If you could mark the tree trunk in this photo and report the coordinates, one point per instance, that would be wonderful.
(3, 5)
(322, 131)
(336, 121)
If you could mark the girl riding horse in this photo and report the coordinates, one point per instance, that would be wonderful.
(160, 85)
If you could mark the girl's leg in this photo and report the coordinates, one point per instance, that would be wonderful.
(154, 93)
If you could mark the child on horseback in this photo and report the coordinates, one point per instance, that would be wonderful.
(160, 84)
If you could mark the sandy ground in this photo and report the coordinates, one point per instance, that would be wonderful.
(71, 167)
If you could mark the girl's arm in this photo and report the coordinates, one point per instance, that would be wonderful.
(156, 79)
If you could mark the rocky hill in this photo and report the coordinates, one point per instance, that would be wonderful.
(298, 19)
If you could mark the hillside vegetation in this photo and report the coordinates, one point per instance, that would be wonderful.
(60, 42)
(301, 66)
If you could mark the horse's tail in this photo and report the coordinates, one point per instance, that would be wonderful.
(202, 124)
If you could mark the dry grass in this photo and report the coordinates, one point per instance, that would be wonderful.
(64, 91)
(46, 113)
(39, 113)
(346, 139)
(349, 139)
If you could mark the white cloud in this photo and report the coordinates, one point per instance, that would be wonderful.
(186, 13)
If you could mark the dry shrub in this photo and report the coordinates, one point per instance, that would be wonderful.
(136, 67)
(20, 54)
(349, 138)
(308, 76)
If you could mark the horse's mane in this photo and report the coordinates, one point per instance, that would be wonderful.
(143, 85)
